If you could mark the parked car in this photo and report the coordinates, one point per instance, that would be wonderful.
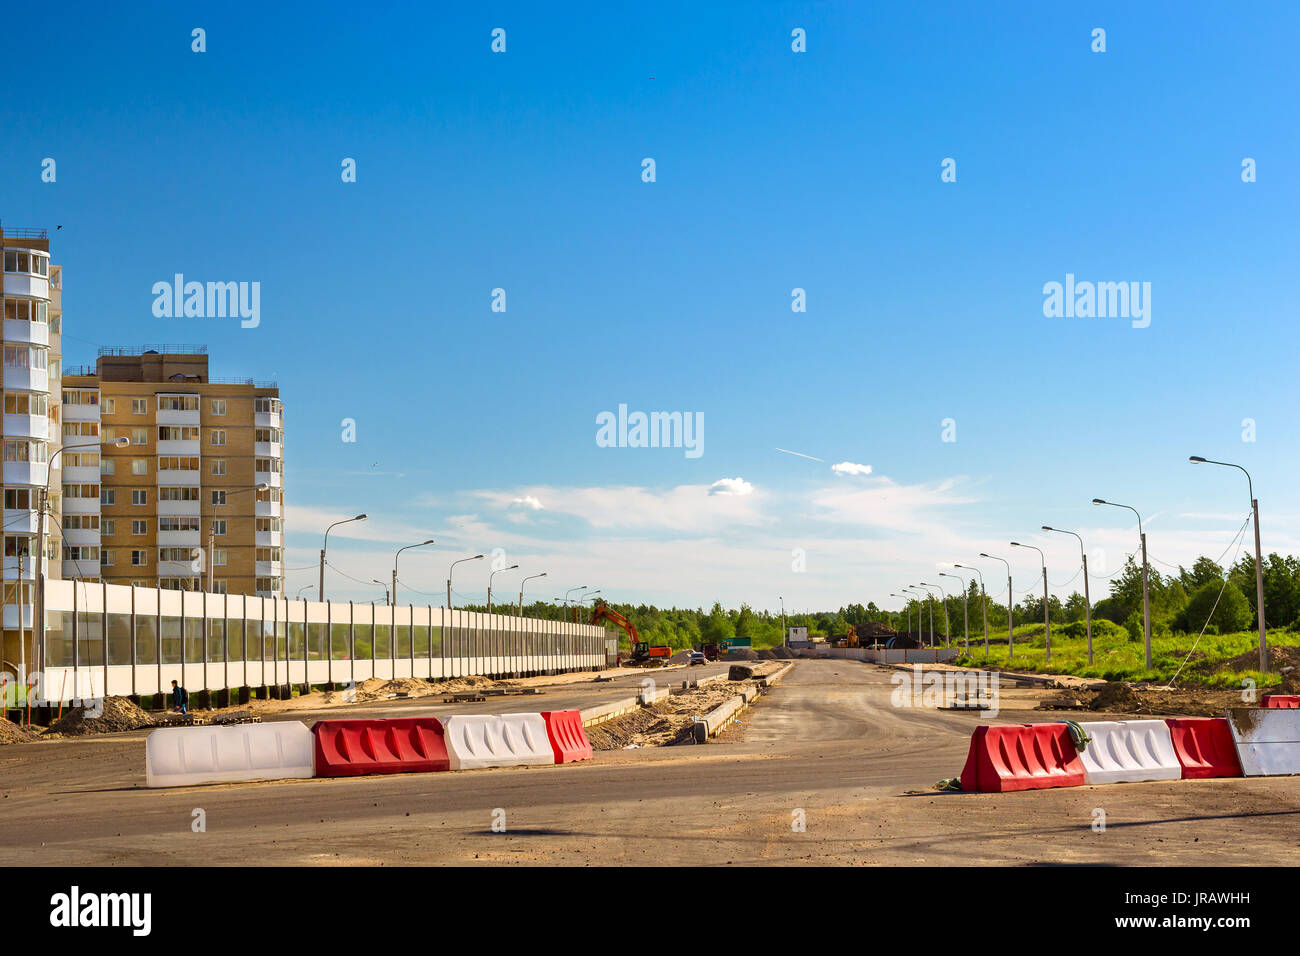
(697, 657)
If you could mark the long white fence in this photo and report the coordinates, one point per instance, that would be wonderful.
(108, 640)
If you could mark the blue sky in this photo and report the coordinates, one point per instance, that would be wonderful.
(775, 170)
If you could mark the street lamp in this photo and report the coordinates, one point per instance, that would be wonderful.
(490, 577)
(1011, 605)
(305, 587)
(907, 606)
(785, 633)
(387, 599)
(321, 590)
(947, 631)
(521, 590)
(38, 611)
(1087, 601)
(929, 597)
(477, 557)
(1146, 599)
(965, 607)
(984, 603)
(1259, 558)
(212, 529)
(1047, 617)
(398, 555)
(570, 591)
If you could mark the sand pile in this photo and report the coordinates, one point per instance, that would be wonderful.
(118, 715)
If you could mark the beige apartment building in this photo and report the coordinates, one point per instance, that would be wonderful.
(30, 297)
(179, 505)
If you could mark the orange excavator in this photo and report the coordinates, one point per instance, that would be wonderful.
(642, 652)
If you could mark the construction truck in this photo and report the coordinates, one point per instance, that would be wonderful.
(642, 655)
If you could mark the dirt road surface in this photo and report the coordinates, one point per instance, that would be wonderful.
(825, 746)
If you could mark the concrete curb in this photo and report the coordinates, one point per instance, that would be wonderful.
(648, 697)
(598, 715)
(722, 716)
(703, 682)
(772, 679)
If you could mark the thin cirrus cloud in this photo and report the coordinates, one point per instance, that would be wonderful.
(696, 509)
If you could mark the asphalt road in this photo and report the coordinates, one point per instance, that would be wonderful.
(825, 747)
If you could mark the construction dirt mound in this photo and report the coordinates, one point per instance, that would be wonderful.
(11, 733)
(1117, 697)
(742, 654)
(118, 716)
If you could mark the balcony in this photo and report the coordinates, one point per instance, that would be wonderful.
(19, 283)
(268, 509)
(168, 416)
(11, 622)
(177, 507)
(27, 379)
(25, 473)
(168, 477)
(266, 419)
(268, 569)
(267, 449)
(83, 569)
(81, 413)
(27, 426)
(81, 506)
(271, 478)
(179, 569)
(190, 449)
(21, 330)
(90, 442)
(21, 520)
(268, 539)
(11, 568)
(82, 475)
(179, 539)
(81, 536)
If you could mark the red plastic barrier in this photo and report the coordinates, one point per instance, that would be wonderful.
(1021, 757)
(568, 739)
(350, 748)
(1288, 701)
(1204, 747)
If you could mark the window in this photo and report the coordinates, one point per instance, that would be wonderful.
(139, 436)
(175, 554)
(21, 356)
(139, 496)
(267, 406)
(139, 527)
(271, 465)
(181, 493)
(139, 558)
(108, 434)
(80, 552)
(269, 584)
(108, 496)
(26, 403)
(178, 523)
(18, 498)
(81, 459)
(219, 586)
(139, 466)
(270, 524)
(178, 432)
(219, 528)
(81, 491)
(218, 406)
(268, 554)
(80, 396)
(22, 450)
(108, 527)
(269, 494)
(107, 466)
(81, 522)
(108, 406)
(82, 429)
(26, 310)
(106, 558)
(218, 467)
(16, 545)
(141, 583)
(178, 403)
(177, 463)
(139, 406)
(218, 436)
(218, 498)
(266, 434)
(218, 557)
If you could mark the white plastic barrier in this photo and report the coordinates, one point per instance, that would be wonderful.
(184, 756)
(497, 740)
(1267, 739)
(1129, 751)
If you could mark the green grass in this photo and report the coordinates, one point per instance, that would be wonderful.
(1116, 657)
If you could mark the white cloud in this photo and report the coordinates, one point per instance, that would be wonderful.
(851, 468)
(731, 486)
(528, 501)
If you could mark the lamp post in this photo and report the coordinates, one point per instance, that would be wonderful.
(490, 577)
(387, 599)
(212, 532)
(321, 589)
(38, 611)
(566, 598)
(398, 555)
(1011, 605)
(785, 632)
(1259, 558)
(521, 590)
(907, 607)
(1146, 598)
(965, 607)
(947, 631)
(476, 557)
(1087, 600)
(930, 604)
(305, 587)
(984, 603)
(1047, 617)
